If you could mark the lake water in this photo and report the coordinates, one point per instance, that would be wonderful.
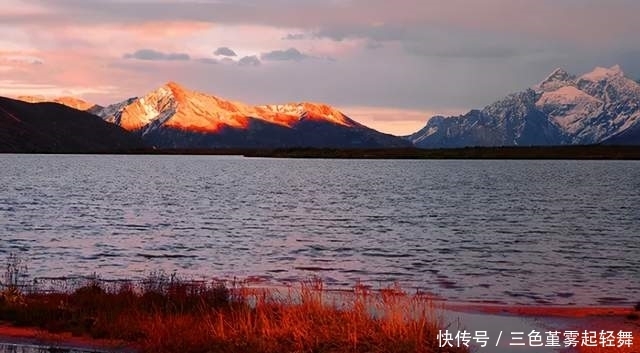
(33, 348)
(560, 232)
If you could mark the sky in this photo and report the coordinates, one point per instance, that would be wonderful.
(388, 64)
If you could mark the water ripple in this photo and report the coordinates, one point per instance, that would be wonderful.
(525, 232)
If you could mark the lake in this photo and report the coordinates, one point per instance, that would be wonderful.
(514, 232)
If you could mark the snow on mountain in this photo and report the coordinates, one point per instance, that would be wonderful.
(560, 109)
(569, 107)
(177, 107)
(175, 116)
(598, 105)
(113, 112)
(557, 79)
(292, 112)
(603, 73)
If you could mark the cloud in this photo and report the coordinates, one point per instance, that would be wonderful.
(16, 88)
(224, 51)
(227, 60)
(249, 61)
(466, 52)
(154, 55)
(295, 36)
(208, 61)
(20, 59)
(374, 32)
(373, 45)
(428, 53)
(569, 19)
(291, 54)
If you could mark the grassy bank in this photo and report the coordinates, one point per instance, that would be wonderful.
(165, 314)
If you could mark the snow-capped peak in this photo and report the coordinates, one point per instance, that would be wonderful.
(173, 85)
(558, 74)
(175, 88)
(561, 109)
(556, 79)
(603, 73)
(174, 106)
(308, 110)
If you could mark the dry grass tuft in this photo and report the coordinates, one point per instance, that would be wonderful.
(166, 314)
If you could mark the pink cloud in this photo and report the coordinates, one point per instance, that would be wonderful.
(576, 20)
(75, 57)
(59, 71)
(427, 50)
(167, 29)
(113, 39)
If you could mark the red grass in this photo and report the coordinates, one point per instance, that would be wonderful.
(165, 314)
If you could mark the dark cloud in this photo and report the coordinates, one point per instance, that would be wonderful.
(287, 13)
(24, 60)
(569, 19)
(436, 42)
(462, 44)
(225, 51)
(150, 54)
(469, 52)
(295, 36)
(291, 54)
(372, 45)
(208, 60)
(249, 61)
(380, 33)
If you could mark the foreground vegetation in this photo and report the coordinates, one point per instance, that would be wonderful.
(165, 314)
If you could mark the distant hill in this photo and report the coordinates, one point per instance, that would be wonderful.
(56, 128)
(562, 109)
(71, 102)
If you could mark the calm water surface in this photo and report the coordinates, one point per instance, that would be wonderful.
(528, 232)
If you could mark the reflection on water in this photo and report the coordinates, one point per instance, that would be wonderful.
(560, 232)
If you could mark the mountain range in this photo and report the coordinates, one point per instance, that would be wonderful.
(70, 102)
(602, 106)
(172, 116)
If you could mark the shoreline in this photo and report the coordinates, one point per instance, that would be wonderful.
(33, 336)
(568, 152)
(467, 316)
(544, 318)
(144, 316)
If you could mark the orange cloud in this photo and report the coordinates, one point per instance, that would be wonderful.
(171, 29)
(57, 72)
